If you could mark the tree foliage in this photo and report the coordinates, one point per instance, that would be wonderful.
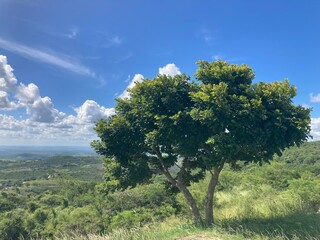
(198, 127)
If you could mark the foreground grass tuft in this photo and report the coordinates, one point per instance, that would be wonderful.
(179, 229)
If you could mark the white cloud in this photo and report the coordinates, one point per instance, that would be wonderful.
(7, 85)
(39, 108)
(42, 110)
(9, 123)
(315, 128)
(314, 98)
(27, 94)
(59, 60)
(90, 111)
(306, 106)
(45, 125)
(70, 130)
(65, 130)
(136, 79)
(7, 78)
(170, 69)
(5, 103)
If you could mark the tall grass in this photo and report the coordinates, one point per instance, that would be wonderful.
(257, 212)
(246, 207)
(288, 227)
(267, 212)
(258, 202)
(173, 228)
(179, 229)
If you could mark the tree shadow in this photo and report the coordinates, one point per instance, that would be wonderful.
(293, 226)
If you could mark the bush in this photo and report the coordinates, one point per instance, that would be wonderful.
(149, 196)
(309, 191)
(140, 216)
(12, 226)
(82, 220)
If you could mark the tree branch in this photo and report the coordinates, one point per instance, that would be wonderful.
(165, 170)
(182, 171)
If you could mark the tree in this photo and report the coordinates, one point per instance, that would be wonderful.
(198, 127)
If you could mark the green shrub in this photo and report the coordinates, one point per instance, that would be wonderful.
(309, 191)
(82, 220)
(148, 196)
(12, 226)
(140, 216)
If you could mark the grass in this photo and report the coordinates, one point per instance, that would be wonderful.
(173, 228)
(291, 227)
(257, 212)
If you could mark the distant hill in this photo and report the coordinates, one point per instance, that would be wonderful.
(34, 152)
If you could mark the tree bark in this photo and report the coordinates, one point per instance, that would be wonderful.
(191, 202)
(210, 195)
(179, 184)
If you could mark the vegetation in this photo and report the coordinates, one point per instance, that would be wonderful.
(280, 200)
(165, 149)
(198, 128)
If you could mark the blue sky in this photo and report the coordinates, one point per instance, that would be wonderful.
(63, 63)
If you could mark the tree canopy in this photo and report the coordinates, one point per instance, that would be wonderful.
(198, 126)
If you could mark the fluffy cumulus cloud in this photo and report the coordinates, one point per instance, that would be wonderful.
(5, 103)
(90, 111)
(42, 110)
(14, 95)
(315, 128)
(7, 78)
(65, 129)
(170, 69)
(27, 94)
(45, 125)
(9, 123)
(315, 122)
(136, 79)
(7, 85)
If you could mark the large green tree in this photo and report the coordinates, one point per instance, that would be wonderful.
(198, 127)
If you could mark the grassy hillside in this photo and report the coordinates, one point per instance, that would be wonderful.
(280, 200)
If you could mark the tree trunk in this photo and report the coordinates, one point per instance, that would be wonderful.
(191, 202)
(182, 187)
(210, 194)
(187, 195)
